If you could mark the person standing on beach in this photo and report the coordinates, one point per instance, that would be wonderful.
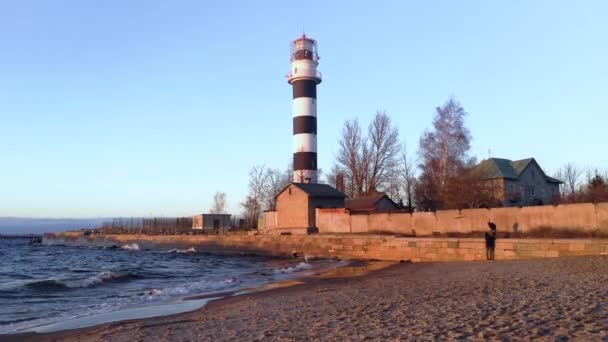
(490, 241)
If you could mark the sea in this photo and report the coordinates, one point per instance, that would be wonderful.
(49, 288)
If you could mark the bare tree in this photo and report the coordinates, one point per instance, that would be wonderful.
(470, 190)
(570, 174)
(563, 192)
(353, 156)
(394, 188)
(219, 203)
(383, 152)
(252, 204)
(402, 180)
(367, 162)
(251, 211)
(444, 155)
(409, 177)
(274, 181)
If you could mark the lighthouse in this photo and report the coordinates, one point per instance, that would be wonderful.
(304, 78)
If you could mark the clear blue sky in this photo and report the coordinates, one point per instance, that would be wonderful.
(137, 108)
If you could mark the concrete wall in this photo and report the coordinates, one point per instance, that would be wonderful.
(601, 214)
(268, 222)
(583, 216)
(347, 246)
(322, 202)
(335, 218)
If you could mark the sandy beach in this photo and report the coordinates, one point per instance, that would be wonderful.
(548, 299)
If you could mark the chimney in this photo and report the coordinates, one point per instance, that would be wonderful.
(340, 182)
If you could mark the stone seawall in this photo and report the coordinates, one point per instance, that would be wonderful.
(346, 246)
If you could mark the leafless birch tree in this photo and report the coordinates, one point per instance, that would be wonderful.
(443, 154)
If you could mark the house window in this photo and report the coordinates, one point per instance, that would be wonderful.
(532, 192)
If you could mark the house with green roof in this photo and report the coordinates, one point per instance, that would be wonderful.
(517, 183)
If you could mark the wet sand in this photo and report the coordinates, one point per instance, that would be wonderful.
(546, 299)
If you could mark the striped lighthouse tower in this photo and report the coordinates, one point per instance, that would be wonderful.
(304, 78)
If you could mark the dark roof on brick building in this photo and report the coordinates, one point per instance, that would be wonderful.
(319, 190)
(367, 203)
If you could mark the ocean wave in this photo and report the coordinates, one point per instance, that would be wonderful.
(47, 285)
(185, 251)
(193, 288)
(103, 277)
(131, 247)
(303, 266)
(56, 285)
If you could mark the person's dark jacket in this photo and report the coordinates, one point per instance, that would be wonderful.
(490, 238)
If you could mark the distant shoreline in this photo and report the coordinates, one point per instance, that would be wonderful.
(41, 225)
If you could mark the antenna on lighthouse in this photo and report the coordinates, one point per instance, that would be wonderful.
(304, 78)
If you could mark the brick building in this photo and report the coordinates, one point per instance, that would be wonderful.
(296, 204)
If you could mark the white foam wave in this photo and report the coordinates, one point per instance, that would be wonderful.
(189, 250)
(131, 247)
(193, 288)
(303, 266)
(97, 279)
(78, 283)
